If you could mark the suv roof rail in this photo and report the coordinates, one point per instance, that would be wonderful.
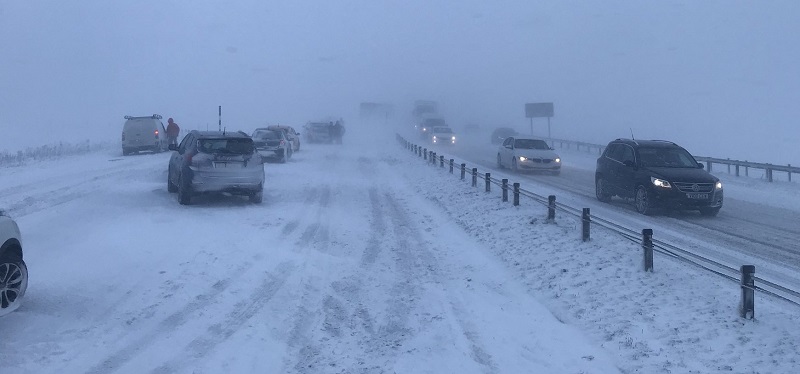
(154, 116)
(664, 141)
(629, 140)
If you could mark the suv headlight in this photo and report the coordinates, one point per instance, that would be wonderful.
(558, 159)
(660, 182)
(718, 185)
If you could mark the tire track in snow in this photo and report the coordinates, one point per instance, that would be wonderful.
(170, 323)
(242, 312)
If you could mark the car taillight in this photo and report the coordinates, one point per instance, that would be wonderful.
(156, 134)
(283, 142)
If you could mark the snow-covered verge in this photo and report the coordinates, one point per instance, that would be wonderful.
(51, 152)
(677, 319)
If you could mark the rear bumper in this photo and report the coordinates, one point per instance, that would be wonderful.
(240, 181)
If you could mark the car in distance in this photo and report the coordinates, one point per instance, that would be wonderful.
(13, 271)
(656, 174)
(318, 132)
(426, 123)
(501, 133)
(528, 154)
(442, 135)
(143, 134)
(215, 161)
(274, 142)
(291, 135)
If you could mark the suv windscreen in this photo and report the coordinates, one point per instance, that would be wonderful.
(666, 157)
(241, 146)
(530, 144)
(444, 130)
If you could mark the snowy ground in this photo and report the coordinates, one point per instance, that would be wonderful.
(360, 259)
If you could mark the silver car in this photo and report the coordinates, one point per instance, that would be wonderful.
(528, 154)
(216, 161)
(143, 134)
(13, 271)
(273, 142)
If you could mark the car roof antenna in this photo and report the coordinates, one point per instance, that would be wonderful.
(632, 138)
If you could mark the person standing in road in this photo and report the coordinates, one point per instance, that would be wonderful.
(173, 130)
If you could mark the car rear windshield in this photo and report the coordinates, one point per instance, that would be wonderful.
(530, 144)
(666, 157)
(267, 134)
(240, 146)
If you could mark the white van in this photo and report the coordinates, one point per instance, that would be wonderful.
(143, 134)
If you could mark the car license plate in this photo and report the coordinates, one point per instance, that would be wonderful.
(698, 196)
(223, 165)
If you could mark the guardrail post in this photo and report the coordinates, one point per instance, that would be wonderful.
(769, 173)
(425, 152)
(790, 172)
(441, 161)
(737, 170)
(748, 302)
(708, 163)
(488, 178)
(432, 159)
(551, 208)
(474, 177)
(505, 190)
(451, 166)
(729, 165)
(586, 219)
(463, 170)
(647, 245)
(516, 194)
(746, 170)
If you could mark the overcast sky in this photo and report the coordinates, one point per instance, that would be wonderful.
(719, 77)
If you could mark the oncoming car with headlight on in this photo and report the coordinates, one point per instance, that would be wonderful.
(528, 154)
(443, 135)
(656, 174)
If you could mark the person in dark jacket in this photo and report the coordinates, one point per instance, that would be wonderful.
(173, 130)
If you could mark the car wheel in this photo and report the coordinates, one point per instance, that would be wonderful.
(600, 190)
(14, 281)
(171, 187)
(125, 152)
(642, 201)
(184, 192)
(709, 212)
(499, 161)
(257, 197)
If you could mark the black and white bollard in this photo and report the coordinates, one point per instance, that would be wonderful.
(748, 303)
(463, 171)
(488, 178)
(474, 177)
(504, 187)
(586, 221)
(551, 208)
(516, 194)
(647, 246)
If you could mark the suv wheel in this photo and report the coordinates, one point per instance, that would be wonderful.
(642, 201)
(257, 197)
(709, 212)
(171, 187)
(184, 192)
(13, 282)
(600, 190)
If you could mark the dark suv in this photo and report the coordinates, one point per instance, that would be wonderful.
(656, 174)
(216, 161)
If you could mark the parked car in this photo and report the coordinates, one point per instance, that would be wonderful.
(292, 135)
(528, 154)
(13, 271)
(143, 134)
(318, 132)
(501, 133)
(215, 161)
(656, 174)
(442, 135)
(274, 142)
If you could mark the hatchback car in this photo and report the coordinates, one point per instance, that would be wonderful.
(291, 135)
(13, 271)
(215, 161)
(656, 174)
(273, 142)
(143, 134)
(528, 154)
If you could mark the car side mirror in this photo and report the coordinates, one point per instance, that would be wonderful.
(173, 147)
(700, 165)
(628, 163)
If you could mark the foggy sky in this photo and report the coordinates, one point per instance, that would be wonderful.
(719, 77)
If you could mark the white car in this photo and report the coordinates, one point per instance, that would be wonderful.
(13, 271)
(528, 154)
(442, 135)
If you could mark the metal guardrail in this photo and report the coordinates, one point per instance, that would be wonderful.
(746, 279)
(737, 165)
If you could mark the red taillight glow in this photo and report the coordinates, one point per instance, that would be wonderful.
(156, 134)
(283, 142)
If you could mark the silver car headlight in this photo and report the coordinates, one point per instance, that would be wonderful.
(558, 160)
(660, 182)
(718, 185)
(522, 158)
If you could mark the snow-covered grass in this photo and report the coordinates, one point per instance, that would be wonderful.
(50, 152)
